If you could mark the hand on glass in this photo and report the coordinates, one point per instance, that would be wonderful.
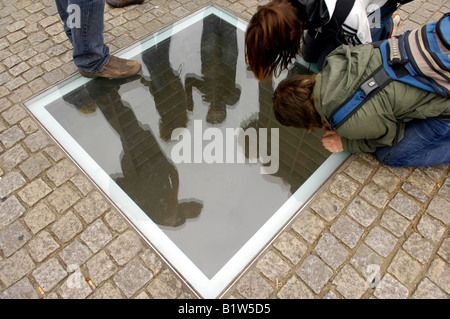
(332, 141)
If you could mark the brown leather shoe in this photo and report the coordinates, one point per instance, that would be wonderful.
(123, 3)
(116, 68)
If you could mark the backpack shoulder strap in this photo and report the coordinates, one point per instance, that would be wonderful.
(371, 86)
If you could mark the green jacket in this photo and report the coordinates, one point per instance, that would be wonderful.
(374, 125)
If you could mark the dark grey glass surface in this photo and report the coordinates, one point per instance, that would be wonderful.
(208, 210)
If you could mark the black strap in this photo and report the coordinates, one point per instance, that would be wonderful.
(341, 12)
(374, 83)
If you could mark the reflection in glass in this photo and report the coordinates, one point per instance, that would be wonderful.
(209, 211)
(148, 176)
(217, 84)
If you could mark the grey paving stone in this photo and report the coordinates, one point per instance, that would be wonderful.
(11, 182)
(272, 266)
(444, 250)
(67, 227)
(20, 290)
(327, 206)
(125, 247)
(165, 286)
(331, 251)
(10, 210)
(291, 247)
(435, 172)
(343, 187)
(418, 247)
(107, 291)
(386, 179)
(405, 268)
(315, 273)
(362, 212)
(349, 284)
(374, 194)
(381, 241)
(151, 261)
(100, 267)
(405, 206)
(41, 246)
(96, 236)
(49, 274)
(13, 237)
(39, 217)
(421, 181)
(428, 290)
(62, 171)
(347, 231)
(253, 286)
(116, 221)
(368, 263)
(430, 228)
(444, 191)
(15, 267)
(394, 222)
(294, 289)
(12, 157)
(82, 183)
(37, 141)
(308, 225)
(92, 206)
(34, 192)
(132, 277)
(439, 273)
(35, 165)
(74, 255)
(63, 198)
(14, 115)
(390, 288)
(359, 170)
(75, 287)
(439, 209)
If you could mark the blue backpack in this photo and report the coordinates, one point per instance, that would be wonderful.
(420, 58)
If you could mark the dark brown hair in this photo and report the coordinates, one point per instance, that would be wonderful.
(293, 102)
(273, 38)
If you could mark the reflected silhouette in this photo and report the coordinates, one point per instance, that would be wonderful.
(167, 89)
(148, 176)
(217, 84)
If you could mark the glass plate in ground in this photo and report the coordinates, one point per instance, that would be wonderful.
(189, 149)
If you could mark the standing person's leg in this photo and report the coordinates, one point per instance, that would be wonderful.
(83, 25)
(426, 142)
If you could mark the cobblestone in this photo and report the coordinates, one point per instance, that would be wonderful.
(371, 231)
(381, 241)
(13, 237)
(315, 273)
(132, 277)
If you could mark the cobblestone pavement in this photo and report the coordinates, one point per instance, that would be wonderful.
(55, 227)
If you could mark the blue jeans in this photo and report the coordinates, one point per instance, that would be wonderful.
(83, 25)
(426, 142)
